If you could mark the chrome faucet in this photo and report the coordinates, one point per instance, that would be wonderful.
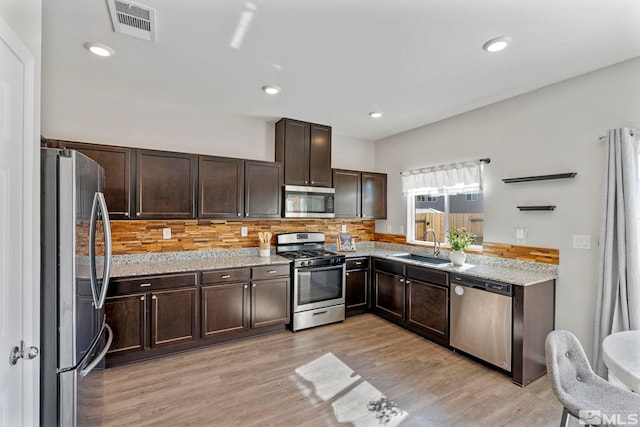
(436, 243)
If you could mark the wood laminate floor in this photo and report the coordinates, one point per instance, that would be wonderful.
(288, 379)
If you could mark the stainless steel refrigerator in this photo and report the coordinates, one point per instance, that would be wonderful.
(76, 260)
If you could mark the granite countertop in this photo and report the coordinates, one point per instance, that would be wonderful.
(521, 273)
(176, 262)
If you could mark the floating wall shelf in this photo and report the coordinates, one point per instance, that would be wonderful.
(537, 208)
(540, 177)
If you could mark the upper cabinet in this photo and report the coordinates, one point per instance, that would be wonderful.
(235, 188)
(262, 191)
(348, 196)
(220, 187)
(165, 184)
(305, 151)
(116, 162)
(374, 195)
(360, 194)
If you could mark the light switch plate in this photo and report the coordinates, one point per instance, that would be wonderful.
(343, 229)
(244, 231)
(166, 233)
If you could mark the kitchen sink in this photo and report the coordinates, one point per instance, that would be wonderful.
(422, 258)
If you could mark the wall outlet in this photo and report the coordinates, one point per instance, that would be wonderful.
(581, 241)
(343, 229)
(166, 233)
(244, 231)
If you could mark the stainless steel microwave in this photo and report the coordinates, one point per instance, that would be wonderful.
(308, 202)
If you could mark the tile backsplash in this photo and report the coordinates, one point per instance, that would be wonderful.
(137, 237)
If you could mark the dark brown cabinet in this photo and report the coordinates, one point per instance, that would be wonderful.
(414, 297)
(165, 184)
(263, 189)
(240, 301)
(236, 188)
(305, 151)
(225, 297)
(428, 300)
(270, 296)
(116, 162)
(357, 294)
(348, 195)
(374, 195)
(151, 313)
(360, 194)
(220, 187)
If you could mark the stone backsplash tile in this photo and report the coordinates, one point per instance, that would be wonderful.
(137, 237)
(522, 253)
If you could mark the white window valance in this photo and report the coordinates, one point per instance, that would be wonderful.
(465, 177)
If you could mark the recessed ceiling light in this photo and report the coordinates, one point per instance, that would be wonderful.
(99, 49)
(375, 114)
(497, 44)
(271, 90)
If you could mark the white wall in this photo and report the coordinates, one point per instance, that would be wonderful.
(138, 123)
(551, 130)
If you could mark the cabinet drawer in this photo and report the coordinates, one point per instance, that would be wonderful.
(269, 271)
(392, 267)
(357, 263)
(147, 283)
(427, 275)
(225, 276)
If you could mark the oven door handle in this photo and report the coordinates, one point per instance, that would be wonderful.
(315, 269)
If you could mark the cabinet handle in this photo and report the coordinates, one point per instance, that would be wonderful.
(145, 285)
(271, 271)
(306, 182)
(225, 276)
(246, 286)
(253, 285)
(408, 282)
(247, 214)
(239, 214)
(347, 274)
(142, 298)
(358, 262)
(126, 214)
(401, 280)
(137, 213)
(313, 182)
(154, 297)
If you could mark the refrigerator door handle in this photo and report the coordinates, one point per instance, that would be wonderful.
(96, 360)
(99, 207)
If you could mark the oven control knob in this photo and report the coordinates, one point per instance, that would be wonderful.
(305, 263)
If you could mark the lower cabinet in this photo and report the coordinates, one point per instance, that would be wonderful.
(414, 297)
(244, 301)
(150, 313)
(357, 283)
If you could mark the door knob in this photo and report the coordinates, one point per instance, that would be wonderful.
(18, 353)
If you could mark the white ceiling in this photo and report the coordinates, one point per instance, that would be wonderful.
(418, 61)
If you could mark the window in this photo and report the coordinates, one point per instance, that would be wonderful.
(442, 197)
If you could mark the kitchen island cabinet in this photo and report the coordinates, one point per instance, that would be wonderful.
(305, 151)
(150, 315)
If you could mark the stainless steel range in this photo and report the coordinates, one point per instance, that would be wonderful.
(317, 277)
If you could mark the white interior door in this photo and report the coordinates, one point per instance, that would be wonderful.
(18, 382)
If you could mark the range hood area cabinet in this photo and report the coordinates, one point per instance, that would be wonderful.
(236, 188)
(305, 151)
(360, 194)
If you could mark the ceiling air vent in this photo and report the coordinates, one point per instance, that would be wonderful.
(133, 19)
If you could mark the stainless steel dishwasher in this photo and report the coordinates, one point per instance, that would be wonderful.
(481, 319)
